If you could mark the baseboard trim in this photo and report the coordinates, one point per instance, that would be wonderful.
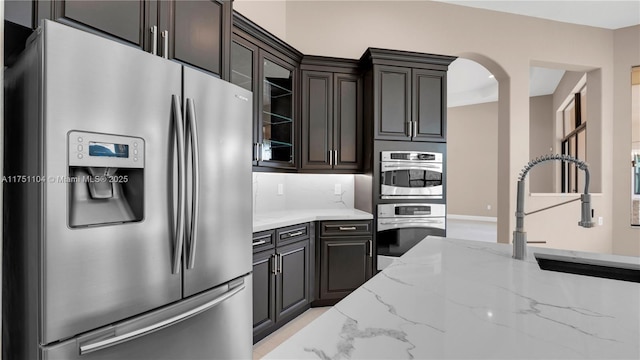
(473, 218)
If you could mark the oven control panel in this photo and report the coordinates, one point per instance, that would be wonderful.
(411, 210)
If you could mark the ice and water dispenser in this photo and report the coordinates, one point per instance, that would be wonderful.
(106, 179)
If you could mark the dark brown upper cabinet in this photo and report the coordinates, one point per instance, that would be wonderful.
(193, 32)
(269, 68)
(196, 33)
(331, 115)
(406, 94)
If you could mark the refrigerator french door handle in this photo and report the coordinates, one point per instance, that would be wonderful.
(86, 349)
(195, 181)
(182, 186)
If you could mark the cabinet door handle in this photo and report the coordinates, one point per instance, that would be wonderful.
(409, 127)
(347, 228)
(165, 44)
(274, 263)
(335, 157)
(279, 269)
(330, 157)
(415, 129)
(154, 40)
(257, 149)
(370, 248)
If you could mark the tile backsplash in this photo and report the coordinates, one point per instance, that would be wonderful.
(276, 191)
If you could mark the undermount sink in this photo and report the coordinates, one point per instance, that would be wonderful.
(589, 267)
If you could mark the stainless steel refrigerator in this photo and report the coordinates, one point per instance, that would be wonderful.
(128, 205)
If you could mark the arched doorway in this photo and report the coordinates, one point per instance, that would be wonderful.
(476, 117)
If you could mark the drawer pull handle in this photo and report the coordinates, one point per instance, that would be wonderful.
(297, 233)
(536, 242)
(347, 228)
(259, 242)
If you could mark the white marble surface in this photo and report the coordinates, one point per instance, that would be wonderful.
(461, 299)
(276, 219)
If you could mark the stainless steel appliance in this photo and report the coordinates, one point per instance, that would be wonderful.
(410, 175)
(128, 228)
(402, 226)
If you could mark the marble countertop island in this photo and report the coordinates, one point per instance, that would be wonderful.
(276, 219)
(460, 299)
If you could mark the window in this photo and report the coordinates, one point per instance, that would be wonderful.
(574, 140)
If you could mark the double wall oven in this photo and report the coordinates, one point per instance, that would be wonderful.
(411, 201)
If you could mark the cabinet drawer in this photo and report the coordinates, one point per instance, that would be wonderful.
(263, 240)
(345, 228)
(291, 234)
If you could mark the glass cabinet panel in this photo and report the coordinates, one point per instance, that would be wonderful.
(241, 66)
(277, 113)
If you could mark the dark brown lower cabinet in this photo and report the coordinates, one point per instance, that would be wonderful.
(344, 259)
(292, 281)
(264, 294)
(281, 279)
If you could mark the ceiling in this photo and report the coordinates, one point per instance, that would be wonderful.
(470, 83)
(603, 14)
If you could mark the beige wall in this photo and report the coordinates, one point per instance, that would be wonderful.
(541, 142)
(626, 239)
(507, 45)
(472, 132)
(473, 129)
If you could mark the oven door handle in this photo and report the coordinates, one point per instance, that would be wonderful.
(395, 166)
(409, 223)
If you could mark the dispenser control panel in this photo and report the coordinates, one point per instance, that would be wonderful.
(105, 150)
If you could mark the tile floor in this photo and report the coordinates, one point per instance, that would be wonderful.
(264, 346)
(456, 228)
(472, 230)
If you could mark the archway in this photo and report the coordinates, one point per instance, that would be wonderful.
(496, 184)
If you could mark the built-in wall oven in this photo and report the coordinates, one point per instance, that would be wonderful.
(402, 226)
(411, 175)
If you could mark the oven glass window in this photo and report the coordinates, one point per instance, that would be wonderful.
(412, 178)
(396, 242)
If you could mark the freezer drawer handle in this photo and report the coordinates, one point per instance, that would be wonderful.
(182, 186)
(86, 349)
(195, 180)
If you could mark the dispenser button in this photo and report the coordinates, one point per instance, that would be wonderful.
(135, 144)
(79, 147)
(135, 151)
(79, 156)
(135, 159)
(79, 138)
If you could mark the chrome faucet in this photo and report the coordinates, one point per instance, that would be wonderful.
(519, 235)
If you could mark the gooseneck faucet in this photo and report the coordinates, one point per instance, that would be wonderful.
(519, 235)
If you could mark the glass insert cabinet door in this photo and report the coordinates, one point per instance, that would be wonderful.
(272, 82)
(277, 112)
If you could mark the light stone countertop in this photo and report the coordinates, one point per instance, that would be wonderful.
(276, 219)
(462, 299)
